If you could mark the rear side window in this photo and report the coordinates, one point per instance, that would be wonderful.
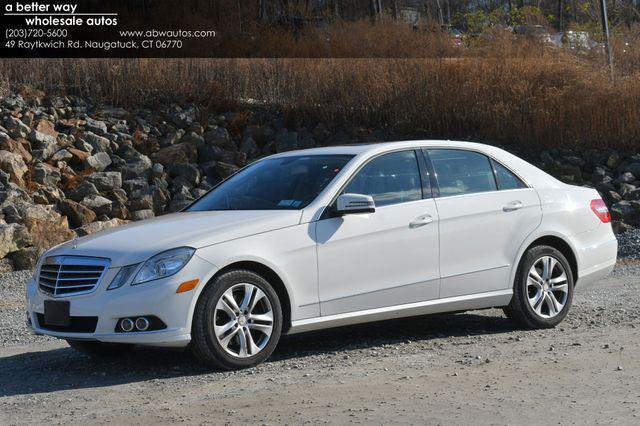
(506, 179)
(390, 179)
(462, 172)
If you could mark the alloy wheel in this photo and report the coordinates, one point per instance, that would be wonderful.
(547, 287)
(243, 320)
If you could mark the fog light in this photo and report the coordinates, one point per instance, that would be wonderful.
(126, 324)
(142, 324)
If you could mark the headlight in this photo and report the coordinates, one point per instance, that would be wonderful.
(164, 265)
(122, 276)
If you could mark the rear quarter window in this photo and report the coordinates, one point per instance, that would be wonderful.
(505, 178)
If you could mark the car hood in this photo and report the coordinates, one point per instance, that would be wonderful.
(137, 241)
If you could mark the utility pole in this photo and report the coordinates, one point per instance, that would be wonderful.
(605, 30)
(560, 15)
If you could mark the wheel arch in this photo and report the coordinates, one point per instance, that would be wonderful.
(559, 244)
(270, 275)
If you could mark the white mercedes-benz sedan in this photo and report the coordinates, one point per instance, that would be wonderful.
(328, 237)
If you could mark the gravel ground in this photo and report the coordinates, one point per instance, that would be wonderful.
(629, 244)
(470, 367)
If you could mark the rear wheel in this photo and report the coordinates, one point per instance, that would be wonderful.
(99, 349)
(543, 289)
(237, 321)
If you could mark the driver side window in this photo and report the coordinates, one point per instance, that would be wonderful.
(390, 179)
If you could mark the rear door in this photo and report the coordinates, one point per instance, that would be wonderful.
(486, 211)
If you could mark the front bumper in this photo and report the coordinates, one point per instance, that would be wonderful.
(157, 298)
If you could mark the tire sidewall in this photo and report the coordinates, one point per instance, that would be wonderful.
(207, 305)
(528, 261)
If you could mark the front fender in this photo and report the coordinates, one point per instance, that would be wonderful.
(289, 252)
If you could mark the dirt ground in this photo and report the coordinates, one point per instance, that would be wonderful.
(466, 368)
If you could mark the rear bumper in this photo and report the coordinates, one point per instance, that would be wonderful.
(597, 254)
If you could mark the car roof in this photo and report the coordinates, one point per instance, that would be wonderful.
(371, 148)
(531, 174)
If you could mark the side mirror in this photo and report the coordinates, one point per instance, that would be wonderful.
(355, 203)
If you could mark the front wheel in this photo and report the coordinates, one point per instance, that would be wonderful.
(543, 289)
(237, 321)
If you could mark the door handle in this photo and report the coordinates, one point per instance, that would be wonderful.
(421, 221)
(512, 206)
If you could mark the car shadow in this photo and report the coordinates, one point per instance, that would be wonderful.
(66, 369)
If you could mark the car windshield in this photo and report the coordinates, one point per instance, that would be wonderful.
(286, 183)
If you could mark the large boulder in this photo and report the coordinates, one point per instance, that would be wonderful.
(182, 118)
(97, 126)
(61, 155)
(24, 259)
(46, 127)
(120, 210)
(16, 128)
(45, 174)
(12, 145)
(82, 191)
(98, 162)
(151, 198)
(171, 138)
(132, 185)
(13, 237)
(78, 156)
(139, 166)
(48, 195)
(48, 233)
(219, 136)
(187, 171)
(192, 137)
(13, 194)
(99, 204)
(41, 139)
(105, 181)
(78, 214)
(97, 143)
(624, 211)
(14, 165)
(626, 177)
(179, 153)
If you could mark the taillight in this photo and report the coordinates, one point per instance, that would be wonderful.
(600, 209)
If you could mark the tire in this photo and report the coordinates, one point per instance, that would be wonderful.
(99, 349)
(236, 319)
(535, 293)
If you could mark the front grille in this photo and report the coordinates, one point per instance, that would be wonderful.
(71, 275)
(76, 324)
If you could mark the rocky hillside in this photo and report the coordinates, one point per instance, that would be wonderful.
(68, 167)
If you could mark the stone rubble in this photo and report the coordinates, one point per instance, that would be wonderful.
(68, 167)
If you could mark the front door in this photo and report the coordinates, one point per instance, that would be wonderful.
(386, 258)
